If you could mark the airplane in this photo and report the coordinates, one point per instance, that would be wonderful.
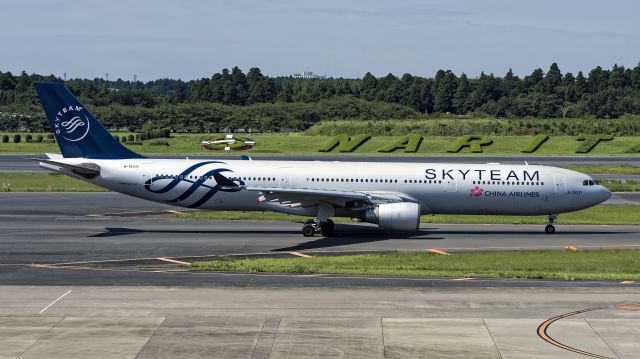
(391, 195)
(227, 142)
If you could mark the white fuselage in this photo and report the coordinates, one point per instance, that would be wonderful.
(443, 188)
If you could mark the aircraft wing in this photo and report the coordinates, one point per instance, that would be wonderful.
(307, 196)
(311, 197)
(336, 197)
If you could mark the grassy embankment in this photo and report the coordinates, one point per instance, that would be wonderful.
(43, 182)
(586, 265)
(602, 170)
(299, 143)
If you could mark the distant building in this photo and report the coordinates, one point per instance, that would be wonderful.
(307, 75)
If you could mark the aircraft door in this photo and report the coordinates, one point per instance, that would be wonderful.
(451, 185)
(284, 177)
(144, 177)
(560, 184)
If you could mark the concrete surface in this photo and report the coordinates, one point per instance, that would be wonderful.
(169, 322)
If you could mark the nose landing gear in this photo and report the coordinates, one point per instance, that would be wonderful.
(550, 228)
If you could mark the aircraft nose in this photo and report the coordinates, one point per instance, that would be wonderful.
(605, 194)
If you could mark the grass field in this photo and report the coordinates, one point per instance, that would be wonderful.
(597, 169)
(43, 182)
(617, 186)
(587, 265)
(613, 215)
(299, 143)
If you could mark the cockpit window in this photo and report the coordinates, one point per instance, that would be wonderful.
(588, 183)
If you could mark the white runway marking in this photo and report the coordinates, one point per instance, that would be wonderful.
(54, 302)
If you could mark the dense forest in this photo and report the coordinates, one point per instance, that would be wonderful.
(234, 100)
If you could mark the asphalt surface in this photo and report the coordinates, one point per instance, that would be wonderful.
(19, 162)
(55, 228)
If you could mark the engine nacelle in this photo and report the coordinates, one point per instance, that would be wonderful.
(402, 217)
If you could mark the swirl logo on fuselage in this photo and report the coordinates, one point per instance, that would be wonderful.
(72, 123)
(204, 180)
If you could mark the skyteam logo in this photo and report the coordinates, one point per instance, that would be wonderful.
(187, 187)
(72, 123)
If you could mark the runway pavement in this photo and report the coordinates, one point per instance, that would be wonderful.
(160, 322)
(19, 162)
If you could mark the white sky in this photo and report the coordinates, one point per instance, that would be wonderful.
(190, 39)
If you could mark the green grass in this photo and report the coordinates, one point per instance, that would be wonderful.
(299, 143)
(603, 170)
(587, 265)
(613, 215)
(618, 186)
(43, 182)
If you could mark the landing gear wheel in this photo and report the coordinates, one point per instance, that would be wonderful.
(326, 228)
(330, 224)
(308, 230)
(550, 229)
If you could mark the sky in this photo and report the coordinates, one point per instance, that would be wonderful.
(191, 39)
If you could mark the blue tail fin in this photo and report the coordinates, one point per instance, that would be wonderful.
(77, 132)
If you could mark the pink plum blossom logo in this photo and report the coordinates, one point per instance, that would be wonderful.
(476, 191)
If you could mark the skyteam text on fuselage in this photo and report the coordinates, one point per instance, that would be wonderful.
(392, 195)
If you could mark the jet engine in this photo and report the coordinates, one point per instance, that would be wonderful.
(401, 217)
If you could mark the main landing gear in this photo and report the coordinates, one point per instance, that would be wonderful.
(312, 227)
(550, 228)
(322, 223)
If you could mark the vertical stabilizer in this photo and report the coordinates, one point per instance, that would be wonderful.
(77, 132)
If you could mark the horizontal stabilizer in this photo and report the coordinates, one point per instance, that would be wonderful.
(88, 170)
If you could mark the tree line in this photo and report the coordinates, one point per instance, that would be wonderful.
(233, 99)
